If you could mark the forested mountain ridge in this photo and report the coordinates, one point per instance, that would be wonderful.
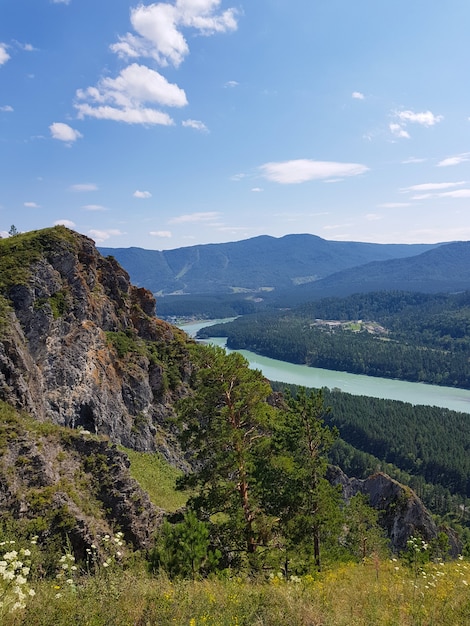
(445, 269)
(260, 263)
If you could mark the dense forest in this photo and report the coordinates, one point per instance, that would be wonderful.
(424, 447)
(408, 336)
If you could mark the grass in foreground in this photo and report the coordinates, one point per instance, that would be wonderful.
(372, 593)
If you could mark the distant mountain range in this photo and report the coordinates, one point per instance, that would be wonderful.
(303, 264)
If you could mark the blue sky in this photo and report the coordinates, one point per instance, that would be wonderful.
(202, 121)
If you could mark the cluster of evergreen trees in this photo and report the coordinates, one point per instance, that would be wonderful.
(258, 493)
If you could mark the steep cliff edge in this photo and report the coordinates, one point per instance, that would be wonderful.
(81, 346)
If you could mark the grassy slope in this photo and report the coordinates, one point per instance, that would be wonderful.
(158, 478)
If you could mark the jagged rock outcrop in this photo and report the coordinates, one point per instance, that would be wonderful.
(81, 346)
(402, 514)
(57, 481)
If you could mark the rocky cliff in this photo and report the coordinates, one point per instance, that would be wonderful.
(402, 514)
(81, 347)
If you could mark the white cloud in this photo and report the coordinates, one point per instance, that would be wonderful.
(402, 118)
(456, 193)
(257, 189)
(393, 205)
(357, 95)
(142, 194)
(373, 217)
(66, 223)
(398, 131)
(159, 29)
(27, 47)
(60, 1)
(31, 205)
(425, 118)
(160, 233)
(454, 160)
(102, 235)
(303, 170)
(196, 124)
(413, 160)
(64, 132)
(433, 186)
(124, 98)
(231, 83)
(4, 56)
(94, 207)
(195, 217)
(7, 109)
(84, 187)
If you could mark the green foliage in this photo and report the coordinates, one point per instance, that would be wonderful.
(363, 536)
(158, 478)
(124, 342)
(224, 425)
(183, 549)
(297, 489)
(19, 253)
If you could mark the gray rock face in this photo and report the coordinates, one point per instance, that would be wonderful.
(402, 514)
(75, 483)
(57, 359)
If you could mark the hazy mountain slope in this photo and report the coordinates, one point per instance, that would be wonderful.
(445, 268)
(261, 262)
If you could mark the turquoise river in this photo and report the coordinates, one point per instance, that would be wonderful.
(281, 371)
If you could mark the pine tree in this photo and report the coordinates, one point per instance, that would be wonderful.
(224, 425)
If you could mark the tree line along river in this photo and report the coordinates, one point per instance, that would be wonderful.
(390, 389)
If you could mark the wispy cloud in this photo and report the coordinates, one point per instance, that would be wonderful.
(94, 207)
(436, 190)
(425, 118)
(4, 56)
(142, 194)
(195, 217)
(398, 131)
(60, 1)
(357, 95)
(393, 205)
(303, 170)
(231, 84)
(196, 124)
(102, 235)
(433, 186)
(413, 160)
(257, 189)
(456, 193)
(84, 187)
(31, 205)
(402, 118)
(454, 160)
(64, 132)
(161, 233)
(6, 109)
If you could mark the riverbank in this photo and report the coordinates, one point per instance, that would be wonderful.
(389, 389)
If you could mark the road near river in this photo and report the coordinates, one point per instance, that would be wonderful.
(356, 384)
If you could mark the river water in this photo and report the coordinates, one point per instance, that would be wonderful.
(356, 384)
